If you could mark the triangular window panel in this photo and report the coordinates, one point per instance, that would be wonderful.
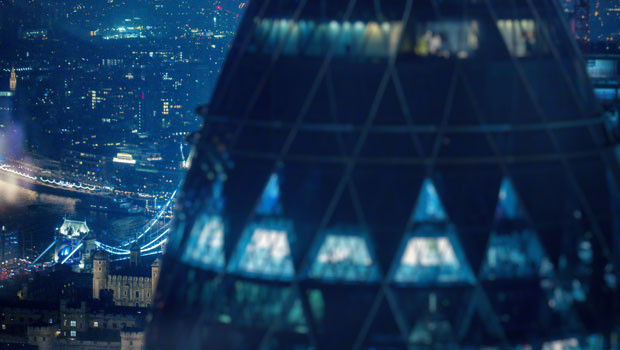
(270, 199)
(264, 251)
(205, 246)
(518, 254)
(429, 207)
(508, 205)
(432, 255)
(344, 256)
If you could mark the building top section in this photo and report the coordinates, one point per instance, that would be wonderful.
(447, 53)
(124, 158)
(74, 228)
(100, 255)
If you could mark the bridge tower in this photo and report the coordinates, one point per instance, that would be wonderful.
(68, 237)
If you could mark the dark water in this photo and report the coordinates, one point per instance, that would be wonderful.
(35, 216)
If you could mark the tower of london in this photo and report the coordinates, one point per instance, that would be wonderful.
(128, 283)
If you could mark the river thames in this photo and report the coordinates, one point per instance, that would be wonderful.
(35, 216)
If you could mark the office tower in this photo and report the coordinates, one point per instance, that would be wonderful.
(403, 174)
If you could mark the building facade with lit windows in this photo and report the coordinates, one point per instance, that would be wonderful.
(127, 283)
(391, 175)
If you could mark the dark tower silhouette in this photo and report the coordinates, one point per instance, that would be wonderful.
(134, 254)
(391, 175)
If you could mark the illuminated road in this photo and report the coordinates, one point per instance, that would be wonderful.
(25, 173)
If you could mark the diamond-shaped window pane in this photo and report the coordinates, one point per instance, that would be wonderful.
(431, 259)
(270, 199)
(513, 255)
(264, 251)
(206, 243)
(428, 206)
(344, 257)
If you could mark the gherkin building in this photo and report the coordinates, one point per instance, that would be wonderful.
(403, 174)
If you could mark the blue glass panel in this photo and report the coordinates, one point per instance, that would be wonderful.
(344, 256)
(605, 94)
(514, 255)
(265, 305)
(205, 246)
(602, 68)
(264, 251)
(270, 199)
(432, 255)
(508, 206)
(428, 206)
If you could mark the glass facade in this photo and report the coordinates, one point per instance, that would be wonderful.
(397, 175)
(264, 251)
(344, 257)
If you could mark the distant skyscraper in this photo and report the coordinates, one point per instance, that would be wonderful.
(13, 80)
(582, 23)
(393, 175)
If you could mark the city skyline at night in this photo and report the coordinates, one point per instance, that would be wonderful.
(319, 174)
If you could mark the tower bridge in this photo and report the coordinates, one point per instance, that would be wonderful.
(73, 242)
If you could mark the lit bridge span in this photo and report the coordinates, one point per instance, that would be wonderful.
(151, 238)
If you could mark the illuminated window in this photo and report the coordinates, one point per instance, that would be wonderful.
(73, 323)
(205, 246)
(514, 252)
(518, 254)
(519, 36)
(429, 252)
(428, 206)
(270, 199)
(570, 343)
(73, 333)
(429, 258)
(344, 257)
(508, 206)
(95, 324)
(602, 68)
(446, 38)
(606, 94)
(264, 251)
(315, 38)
